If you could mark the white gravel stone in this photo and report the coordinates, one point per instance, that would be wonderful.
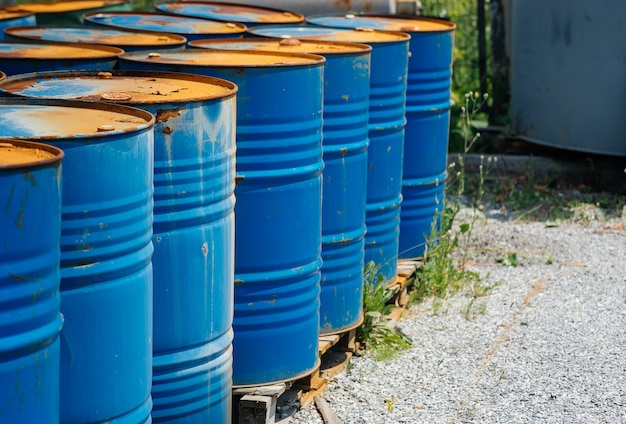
(547, 344)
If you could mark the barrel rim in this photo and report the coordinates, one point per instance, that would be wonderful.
(401, 37)
(358, 48)
(451, 26)
(301, 17)
(107, 51)
(18, 15)
(176, 38)
(315, 60)
(109, 107)
(122, 73)
(23, 7)
(58, 154)
(239, 28)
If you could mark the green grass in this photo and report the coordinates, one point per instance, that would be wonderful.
(380, 339)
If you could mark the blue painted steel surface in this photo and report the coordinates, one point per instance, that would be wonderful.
(30, 322)
(190, 28)
(230, 12)
(388, 82)
(20, 57)
(14, 19)
(106, 249)
(194, 227)
(122, 39)
(345, 116)
(278, 209)
(427, 113)
(70, 12)
(421, 207)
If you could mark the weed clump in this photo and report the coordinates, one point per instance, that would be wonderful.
(379, 337)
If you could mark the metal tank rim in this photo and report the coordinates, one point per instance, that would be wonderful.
(451, 26)
(240, 5)
(107, 51)
(122, 73)
(109, 107)
(58, 154)
(314, 59)
(14, 15)
(399, 36)
(358, 48)
(176, 38)
(28, 7)
(93, 18)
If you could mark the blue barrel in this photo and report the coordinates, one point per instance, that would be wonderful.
(279, 204)
(13, 19)
(228, 12)
(125, 40)
(106, 249)
(428, 119)
(30, 322)
(69, 12)
(346, 91)
(389, 61)
(194, 226)
(22, 57)
(190, 28)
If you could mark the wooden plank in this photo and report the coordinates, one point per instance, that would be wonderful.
(327, 342)
(256, 409)
(347, 341)
(334, 363)
(327, 414)
(267, 390)
(313, 381)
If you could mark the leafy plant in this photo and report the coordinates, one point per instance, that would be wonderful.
(440, 272)
(509, 260)
(375, 333)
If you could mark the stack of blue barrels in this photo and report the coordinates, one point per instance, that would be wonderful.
(386, 123)
(428, 120)
(227, 172)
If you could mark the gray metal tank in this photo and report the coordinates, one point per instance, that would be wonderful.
(568, 74)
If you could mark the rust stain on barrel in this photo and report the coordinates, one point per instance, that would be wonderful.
(164, 115)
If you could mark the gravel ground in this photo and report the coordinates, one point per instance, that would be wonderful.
(546, 344)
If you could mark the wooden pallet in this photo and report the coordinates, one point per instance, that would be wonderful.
(257, 405)
(275, 403)
(332, 349)
(406, 269)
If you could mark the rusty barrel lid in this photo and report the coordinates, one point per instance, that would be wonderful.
(159, 22)
(408, 24)
(96, 35)
(229, 12)
(49, 119)
(26, 50)
(133, 88)
(225, 58)
(64, 6)
(290, 45)
(16, 154)
(316, 32)
(6, 14)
